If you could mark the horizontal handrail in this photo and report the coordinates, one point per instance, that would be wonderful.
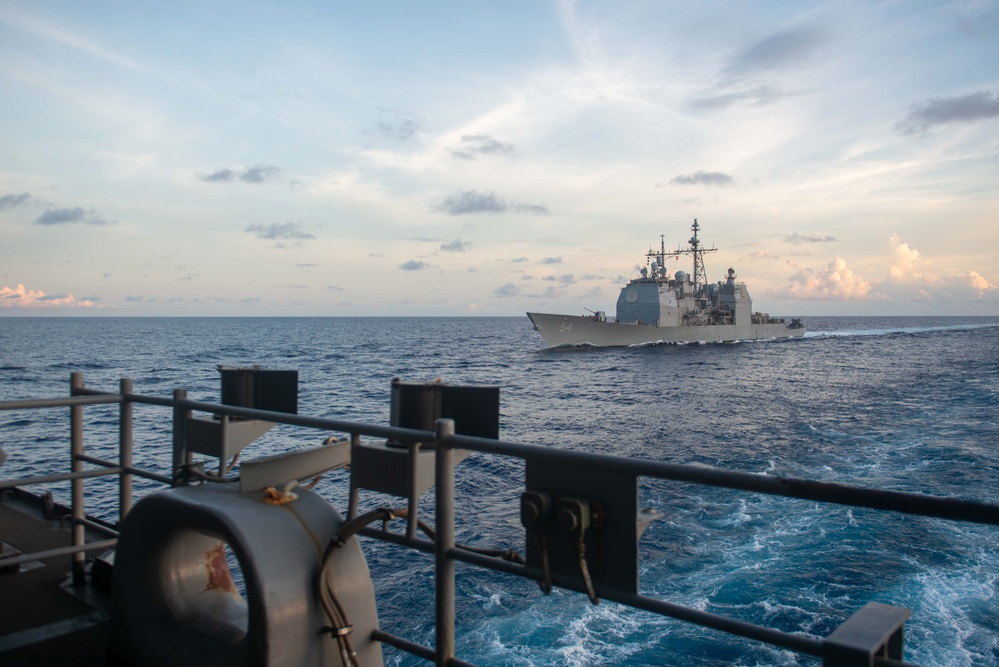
(10, 561)
(842, 494)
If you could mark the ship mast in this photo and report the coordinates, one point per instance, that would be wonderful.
(697, 252)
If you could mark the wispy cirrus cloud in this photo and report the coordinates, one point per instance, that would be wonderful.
(798, 238)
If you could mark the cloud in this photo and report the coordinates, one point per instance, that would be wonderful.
(836, 283)
(968, 108)
(552, 260)
(456, 246)
(703, 178)
(473, 145)
(472, 201)
(910, 276)
(260, 173)
(506, 291)
(797, 238)
(414, 265)
(288, 230)
(20, 297)
(758, 95)
(69, 216)
(13, 201)
(401, 126)
(784, 48)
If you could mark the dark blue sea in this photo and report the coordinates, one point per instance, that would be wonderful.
(909, 404)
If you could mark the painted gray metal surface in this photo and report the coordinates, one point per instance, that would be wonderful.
(173, 602)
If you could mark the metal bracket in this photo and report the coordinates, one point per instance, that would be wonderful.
(566, 507)
(875, 631)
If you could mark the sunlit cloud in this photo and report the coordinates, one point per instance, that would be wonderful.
(21, 297)
(834, 283)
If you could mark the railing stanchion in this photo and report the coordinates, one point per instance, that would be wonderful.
(444, 542)
(76, 485)
(125, 449)
(180, 455)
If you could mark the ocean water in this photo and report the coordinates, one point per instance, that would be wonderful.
(908, 404)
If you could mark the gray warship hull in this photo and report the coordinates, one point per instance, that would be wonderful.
(567, 330)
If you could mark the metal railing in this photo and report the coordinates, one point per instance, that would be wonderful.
(886, 650)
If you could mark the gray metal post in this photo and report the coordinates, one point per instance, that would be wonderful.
(180, 415)
(125, 450)
(76, 485)
(355, 442)
(413, 507)
(444, 542)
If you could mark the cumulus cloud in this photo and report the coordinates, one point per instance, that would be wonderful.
(70, 216)
(797, 238)
(969, 108)
(13, 201)
(552, 260)
(260, 173)
(20, 297)
(836, 283)
(287, 230)
(414, 265)
(465, 202)
(474, 145)
(456, 245)
(703, 178)
(507, 290)
(910, 276)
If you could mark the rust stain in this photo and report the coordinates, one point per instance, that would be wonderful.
(274, 497)
(219, 576)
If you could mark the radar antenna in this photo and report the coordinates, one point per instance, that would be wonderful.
(697, 252)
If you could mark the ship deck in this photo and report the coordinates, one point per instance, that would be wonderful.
(44, 619)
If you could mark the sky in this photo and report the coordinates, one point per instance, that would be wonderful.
(484, 158)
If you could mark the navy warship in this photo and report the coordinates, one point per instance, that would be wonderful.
(657, 308)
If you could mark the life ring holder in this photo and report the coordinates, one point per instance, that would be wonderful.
(173, 601)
